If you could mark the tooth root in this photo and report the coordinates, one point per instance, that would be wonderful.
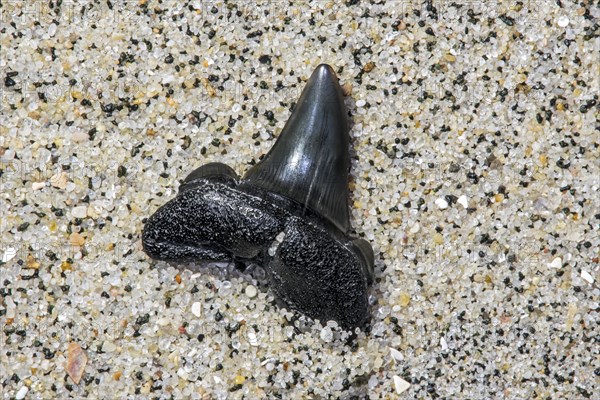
(212, 171)
(309, 162)
(314, 273)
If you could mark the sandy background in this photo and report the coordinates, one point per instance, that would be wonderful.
(475, 177)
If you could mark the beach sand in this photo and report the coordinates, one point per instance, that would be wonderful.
(475, 177)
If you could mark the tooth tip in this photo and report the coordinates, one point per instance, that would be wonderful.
(325, 71)
(323, 86)
(324, 66)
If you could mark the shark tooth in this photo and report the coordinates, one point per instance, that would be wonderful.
(309, 162)
(288, 213)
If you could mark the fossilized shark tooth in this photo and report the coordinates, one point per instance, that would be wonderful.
(288, 213)
(309, 162)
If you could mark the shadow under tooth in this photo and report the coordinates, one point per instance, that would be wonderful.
(309, 162)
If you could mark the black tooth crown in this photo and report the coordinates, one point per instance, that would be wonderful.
(309, 162)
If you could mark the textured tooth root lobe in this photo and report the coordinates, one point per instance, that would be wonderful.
(317, 275)
(210, 219)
